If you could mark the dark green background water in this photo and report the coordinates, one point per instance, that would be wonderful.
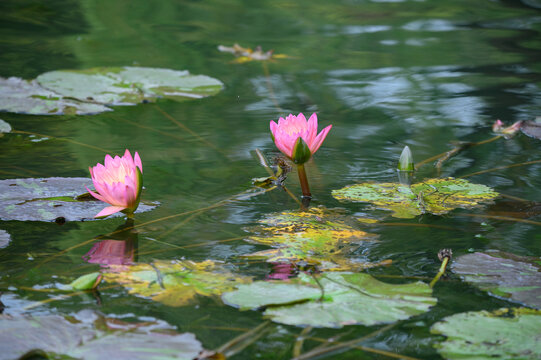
(384, 73)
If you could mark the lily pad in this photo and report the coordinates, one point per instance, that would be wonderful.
(346, 299)
(434, 196)
(4, 127)
(317, 236)
(175, 283)
(502, 334)
(55, 337)
(514, 278)
(4, 239)
(128, 85)
(28, 97)
(49, 199)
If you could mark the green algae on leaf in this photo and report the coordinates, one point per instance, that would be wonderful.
(48, 199)
(55, 337)
(333, 300)
(317, 236)
(128, 85)
(514, 278)
(503, 334)
(28, 97)
(433, 196)
(175, 283)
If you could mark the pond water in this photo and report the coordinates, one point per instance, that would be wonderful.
(385, 74)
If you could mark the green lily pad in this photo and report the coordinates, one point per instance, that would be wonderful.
(28, 97)
(434, 196)
(175, 283)
(128, 85)
(49, 199)
(4, 239)
(514, 278)
(317, 236)
(502, 334)
(55, 337)
(347, 299)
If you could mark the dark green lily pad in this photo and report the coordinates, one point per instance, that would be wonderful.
(28, 97)
(502, 334)
(318, 236)
(347, 299)
(4, 239)
(55, 337)
(434, 196)
(4, 127)
(128, 85)
(49, 199)
(514, 278)
(175, 283)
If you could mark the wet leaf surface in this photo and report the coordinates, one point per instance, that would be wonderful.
(318, 236)
(4, 127)
(55, 336)
(504, 275)
(502, 334)
(175, 283)
(434, 196)
(28, 97)
(49, 199)
(128, 85)
(346, 299)
(531, 128)
(4, 239)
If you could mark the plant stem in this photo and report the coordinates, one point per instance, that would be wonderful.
(304, 181)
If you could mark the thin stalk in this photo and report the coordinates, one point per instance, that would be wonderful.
(304, 181)
(440, 272)
(500, 168)
(297, 348)
(62, 139)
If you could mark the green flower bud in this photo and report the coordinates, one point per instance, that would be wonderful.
(405, 163)
(301, 152)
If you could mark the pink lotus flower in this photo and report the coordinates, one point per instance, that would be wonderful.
(118, 183)
(287, 132)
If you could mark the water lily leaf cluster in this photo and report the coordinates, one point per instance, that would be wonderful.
(504, 275)
(317, 236)
(55, 337)
(503, 334)
(433, 196)
(333, 300)
(48, 199)
(175, 283)
(90, 91)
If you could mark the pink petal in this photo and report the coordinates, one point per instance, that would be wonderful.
(319, 139)
(138, 162)
(312, 129)
(97, 196)
(109, 210)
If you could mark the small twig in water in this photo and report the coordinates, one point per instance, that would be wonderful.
(444, 255)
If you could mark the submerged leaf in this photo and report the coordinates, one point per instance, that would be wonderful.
(55, 337)
(48, 199)
(28, 97)
(503, 334)
(346, 299)
(128, 85)
(434, 196)
(504, 275)
(317, 236)
(175, 283)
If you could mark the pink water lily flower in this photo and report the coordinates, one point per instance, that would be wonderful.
(118, 183)
(289, 130)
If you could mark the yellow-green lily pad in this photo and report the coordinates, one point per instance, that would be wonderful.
(504, 275)
(502, 334)
(318, 236)
(333, 300)
(433, 196)
(175, 283)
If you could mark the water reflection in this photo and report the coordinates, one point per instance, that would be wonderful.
(119, 251)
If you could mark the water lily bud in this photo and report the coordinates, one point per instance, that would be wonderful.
(301, 152)
(510, 130)
(405, 163)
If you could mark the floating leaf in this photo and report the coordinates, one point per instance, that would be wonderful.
(4, 239)
(48, 199)
(4, 127)
(55, 337)
(128, 85)
(346, 299)
(317, 236)
(504, 275)
(28, 97)
(176, 283)
(531, 128)
(434, 196)
(502, 334)
(246, 54)
(87, 281)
